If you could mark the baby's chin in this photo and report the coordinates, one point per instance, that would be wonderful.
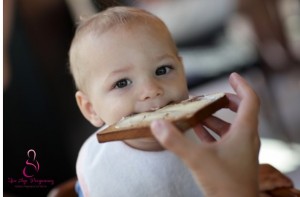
(144, 144)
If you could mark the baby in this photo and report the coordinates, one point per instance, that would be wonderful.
(124, 61)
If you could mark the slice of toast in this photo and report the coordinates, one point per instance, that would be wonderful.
(183, 115)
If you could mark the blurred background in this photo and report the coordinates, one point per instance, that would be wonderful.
(40, 112)
(260, 39)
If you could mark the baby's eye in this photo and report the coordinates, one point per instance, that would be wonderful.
(122, 83)
(163, 70)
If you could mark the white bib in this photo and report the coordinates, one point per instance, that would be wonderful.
(114, 169)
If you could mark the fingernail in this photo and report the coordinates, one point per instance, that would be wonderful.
(234, 75)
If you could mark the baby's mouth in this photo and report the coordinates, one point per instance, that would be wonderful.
(159, 107)
(152, 109)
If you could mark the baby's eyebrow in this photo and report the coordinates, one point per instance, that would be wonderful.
(165, 56)
(118, 71)
(121, 70)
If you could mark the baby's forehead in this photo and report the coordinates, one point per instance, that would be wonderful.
(121, 28)
(119, 31)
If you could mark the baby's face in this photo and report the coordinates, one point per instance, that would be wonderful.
(133, 71)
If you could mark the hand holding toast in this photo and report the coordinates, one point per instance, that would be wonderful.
(228, 167)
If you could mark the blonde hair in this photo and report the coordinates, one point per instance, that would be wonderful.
(99, 24)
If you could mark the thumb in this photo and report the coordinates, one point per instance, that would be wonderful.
(171, 138)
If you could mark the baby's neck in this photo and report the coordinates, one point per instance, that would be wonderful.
(145, 144)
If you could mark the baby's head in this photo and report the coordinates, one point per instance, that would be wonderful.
(124, 61)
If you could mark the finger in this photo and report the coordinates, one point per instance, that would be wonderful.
(203, 134)
(249, 100)
(172, 139)
(234, 101)
(249, 105)
(244, 129)
(217, 125)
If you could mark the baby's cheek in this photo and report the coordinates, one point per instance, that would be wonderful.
(117, 113)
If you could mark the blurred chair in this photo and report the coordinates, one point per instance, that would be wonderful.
(66, 189)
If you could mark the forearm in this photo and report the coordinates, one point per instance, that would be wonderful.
(223, 185)
(229, 189)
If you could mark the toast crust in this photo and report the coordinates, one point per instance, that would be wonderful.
(183, 115)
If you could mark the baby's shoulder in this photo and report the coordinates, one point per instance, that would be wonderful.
(90, 144)
(90, 148)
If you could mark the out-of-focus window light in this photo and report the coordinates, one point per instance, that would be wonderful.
(283, 156)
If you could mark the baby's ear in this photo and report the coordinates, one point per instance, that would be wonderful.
(86, 108)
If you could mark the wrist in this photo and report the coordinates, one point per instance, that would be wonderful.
(216, 184)
(225, 190)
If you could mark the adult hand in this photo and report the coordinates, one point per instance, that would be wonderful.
(229, 166)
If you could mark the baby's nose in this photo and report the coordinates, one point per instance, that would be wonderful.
(150, 89)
